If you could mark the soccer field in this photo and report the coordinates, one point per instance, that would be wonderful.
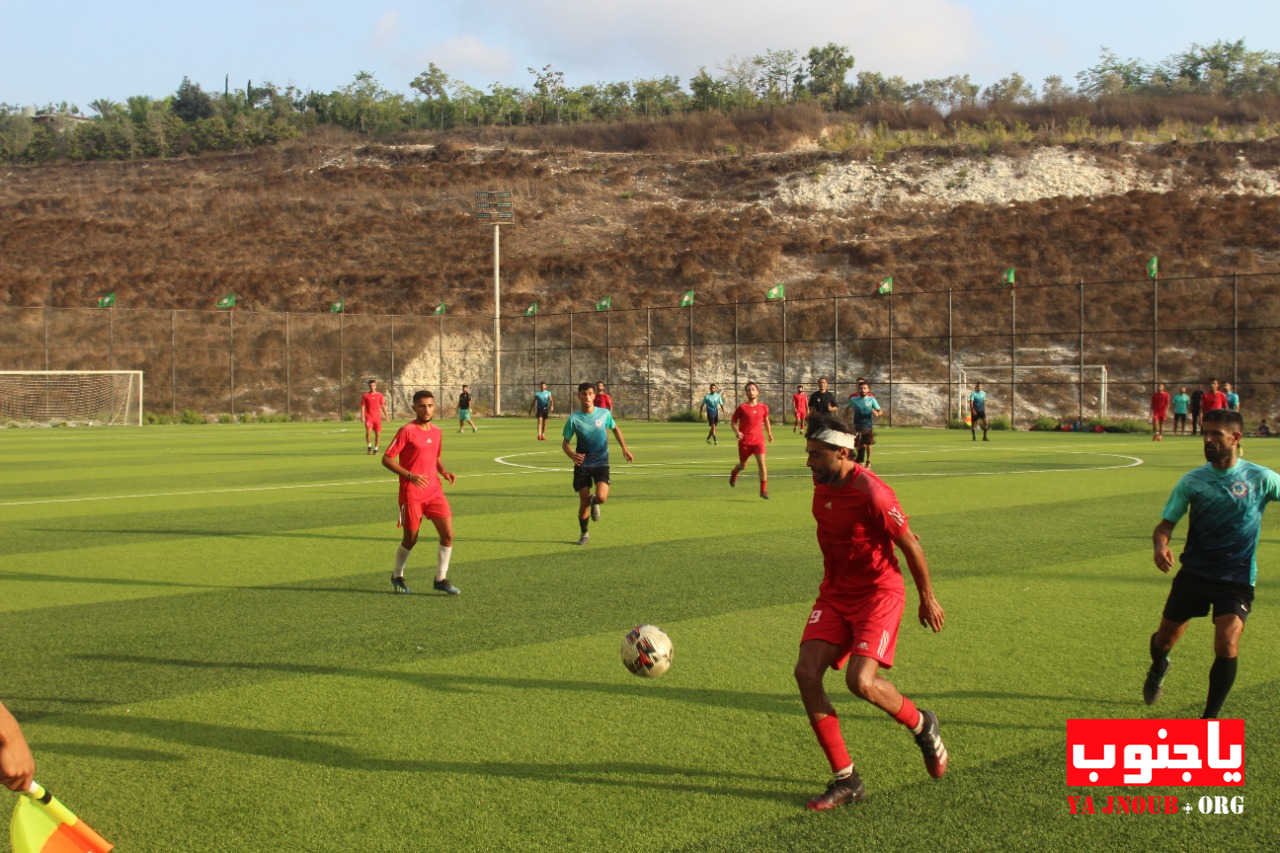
(202, 644)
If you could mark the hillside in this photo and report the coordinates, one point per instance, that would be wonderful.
(388, 228)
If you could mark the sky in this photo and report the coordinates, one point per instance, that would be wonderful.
(55, 51)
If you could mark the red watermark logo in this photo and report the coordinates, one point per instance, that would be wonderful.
(1202, 753)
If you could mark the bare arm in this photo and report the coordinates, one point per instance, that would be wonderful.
(768, 425)
(1160, 543)
(393, 465)
(16, 763)
(617, 433)
(568, 451)
(930, 614)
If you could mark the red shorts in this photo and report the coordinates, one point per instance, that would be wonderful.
(416, 506)
(376, 426)
(1159, 414)
(867, 627)
(746, 451)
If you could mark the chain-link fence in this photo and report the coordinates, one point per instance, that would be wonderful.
(1060, 351)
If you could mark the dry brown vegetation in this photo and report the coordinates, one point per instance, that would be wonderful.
(389, 228)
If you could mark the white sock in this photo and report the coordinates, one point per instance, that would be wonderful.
(442, 561)
(402, 557)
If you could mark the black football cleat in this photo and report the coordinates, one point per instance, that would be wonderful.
(843, 791)
(931, 746)
(398, 585)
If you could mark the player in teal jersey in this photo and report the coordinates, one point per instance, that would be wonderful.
(863, 407)
(1219, 564)
(590, 455)
(713, 403)
(1181, 403)
(977, 411)
(542, 407)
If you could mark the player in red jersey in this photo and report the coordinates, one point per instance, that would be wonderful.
(799, 408)
(750, 421)
(602, 399)
(414, 454)
(1159, 412)
(1213, 399)
(859, 607)
(372, 408)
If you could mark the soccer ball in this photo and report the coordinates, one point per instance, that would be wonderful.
(646, 651)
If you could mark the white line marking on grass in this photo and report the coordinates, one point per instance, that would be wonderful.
(226, 491)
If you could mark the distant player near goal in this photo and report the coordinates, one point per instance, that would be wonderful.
(543, 405)
(856, 616)
(864, 407)
(713, 403)
(1159, 412)
(799, 408)
(977, 411)
(1219, 567)
(414, 455)
(373, 407)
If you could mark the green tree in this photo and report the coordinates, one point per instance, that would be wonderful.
(1009, 90)
(825, 74)
(1112, 76)
(191, 103)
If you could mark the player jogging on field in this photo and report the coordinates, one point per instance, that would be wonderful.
(1219, 565)
(542, 407)
(603, 400)
(977, 411)
(464, 409)
(414, 454)
(750, 422)
(373, 406)
(713, 403)
(859, 608)
(1233, 399)
(1159, 412)
(799, 408)
(822, 401)
(590, 455)
(864, 407)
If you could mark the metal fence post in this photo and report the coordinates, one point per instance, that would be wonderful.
(952, 403)
(690, 355)
(173, 362)
(231, 354)
(1235, 332)
(288, 368)
(1013, 357)
(648, 364)
(1080, 376)
(391, 376)
(891, 394)
(784, 358)
(737, 378)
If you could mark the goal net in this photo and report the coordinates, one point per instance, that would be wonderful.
(1053, 389)
(71, 396)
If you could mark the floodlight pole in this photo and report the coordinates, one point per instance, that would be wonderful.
(497, 321)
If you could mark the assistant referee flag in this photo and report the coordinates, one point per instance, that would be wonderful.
(41, 824)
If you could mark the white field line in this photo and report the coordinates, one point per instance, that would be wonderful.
(521, 468)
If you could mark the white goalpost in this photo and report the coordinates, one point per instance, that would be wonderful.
(89, 397)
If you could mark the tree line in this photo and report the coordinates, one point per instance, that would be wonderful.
(192, 120)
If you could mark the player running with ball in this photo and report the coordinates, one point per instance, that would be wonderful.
(859, 608)
(590, 455)
(414, 454)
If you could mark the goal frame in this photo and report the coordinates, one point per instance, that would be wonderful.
(964, 371)
(133, 375)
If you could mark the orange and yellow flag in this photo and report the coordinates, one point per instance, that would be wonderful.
(41, 824)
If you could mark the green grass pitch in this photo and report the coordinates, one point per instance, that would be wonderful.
(202, 644)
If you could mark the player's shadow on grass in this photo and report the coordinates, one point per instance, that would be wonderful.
(322, 749)
(210, 533)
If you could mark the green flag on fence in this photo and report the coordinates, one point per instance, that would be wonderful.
(886, 286)
(338, 307)
(228, 301)
(1153, 268)
(778, 291)
(107, 300)
(686, 299)
(605, 304)
(440, 309)
(1010, 277)
(532, 310)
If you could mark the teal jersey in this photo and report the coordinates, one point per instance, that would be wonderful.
(864, 409)
(1233, 401)
(1180, 404)
(592, 429)
(542, 398)
(978, 400)
(713, 401)
(1226, 519)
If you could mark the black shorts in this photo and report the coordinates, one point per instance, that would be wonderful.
(864, 437)
(1180, 420)
(978, 415)
(543, 412)
(1192, 596)
(584, 477)
(713, 418)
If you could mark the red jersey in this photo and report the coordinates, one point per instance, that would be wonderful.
(857, 523)
(1160, 403)
(371, 406)
(1213, 400)
(750, 422)
(418, 449)
(604, 401)
(800, 402)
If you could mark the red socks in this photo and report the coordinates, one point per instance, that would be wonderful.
(832, 742)
(907, 714)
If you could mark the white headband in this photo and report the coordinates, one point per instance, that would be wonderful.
(839, 439)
